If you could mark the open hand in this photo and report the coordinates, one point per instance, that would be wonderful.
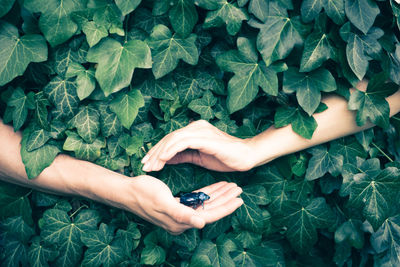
(155, 203)
(208, 147)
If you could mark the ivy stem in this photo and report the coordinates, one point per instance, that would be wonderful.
(383, 153)
(78, 209)
(126, 28)
(169, 264)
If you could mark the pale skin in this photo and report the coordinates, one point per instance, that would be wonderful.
(145, 196)
(203, 144)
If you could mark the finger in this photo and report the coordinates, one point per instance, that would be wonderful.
(220, 191)
(222, 199)
(217, 213)
(184, 215)
(212, 188)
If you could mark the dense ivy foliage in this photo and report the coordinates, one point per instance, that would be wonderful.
(104, 80)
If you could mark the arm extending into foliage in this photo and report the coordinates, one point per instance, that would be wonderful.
(143, 195)
(216, 150)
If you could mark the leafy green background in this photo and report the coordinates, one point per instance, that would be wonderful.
(104, 80)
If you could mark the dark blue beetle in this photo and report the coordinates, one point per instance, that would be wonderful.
(194, 199)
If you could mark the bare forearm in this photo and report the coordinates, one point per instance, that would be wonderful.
(335, 122)
(65, 176)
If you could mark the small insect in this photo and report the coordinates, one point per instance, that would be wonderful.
(194, 199)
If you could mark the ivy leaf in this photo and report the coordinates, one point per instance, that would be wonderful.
(356, 58)
(249, 75)
(20, 104)
(85, 79)
(178, 178)
(103, 249)
(152, 255)
(117, 62)
(83, 150)
(37, 160)
(17, 227)
(94, 32)
(188, 86)
(222, 13)
(163, 88)
(250, 214)
(109, 122)
(40, 255)
(57, 228)
(129, 238)
(203, 106)
(126, 106)
(86, 121)
(348, 148)
(41, 112)
(214, 254)
(308, 87)
(5, 6)
(55, 21)
(322, 162)
(17, 52)
(302, 222)
(361, 13)
(131, 144)
(62, 94)
(310, 9)
(350, 231)
(183, 17)
(386, 239)
(375, 194)
(335, 10)
(302, 124)
(127, 6)
(257, 256)
(37, 138)
(372, 104)
(317, 49)
(168, 49)
(14, 253)
(278, 35)
(15, 202)
(259, 8)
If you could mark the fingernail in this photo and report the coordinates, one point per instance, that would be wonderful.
(146, 167)
(197, 222)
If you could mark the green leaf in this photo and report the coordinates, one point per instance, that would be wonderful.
(117, 62)
(375, 194)
(37, 160)
(249, 75)
(188, 86)
(37, 138)
(168, 49)
(103, 248)
(17, 52)
(361, 13)
(14, 253)
(127, 6)
(203, 106)
(17, 227)
(387, 239)
(163, 88)
(94, 33)
(131, 144)
(348, 148)
(20, 104)
(335, 10)
(62, 94)
(258, 256)
(178, 178)
(259, 8)
(227, 13)
(14, 202)
(152, 255)
(183, 16)
(308, 87)
(278, 35)
(5, 6)
(350, 231)
(83, 150)
(40, 255)
(356, 58)
(129, 238)
(126, 106)
(109, 122)
(317, 50)
(302, 124)
(59, 229)
(215, 254)
(85, 79)
(310, 9)
(55, 21)
(87, 123)
(250, 214)
(41, 112)
(322, 162)
(302, 222)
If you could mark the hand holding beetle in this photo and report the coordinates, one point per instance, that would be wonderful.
(210, 148)
(155, 203)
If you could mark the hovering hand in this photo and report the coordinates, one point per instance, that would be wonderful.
(208, 147)
(155, 203)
